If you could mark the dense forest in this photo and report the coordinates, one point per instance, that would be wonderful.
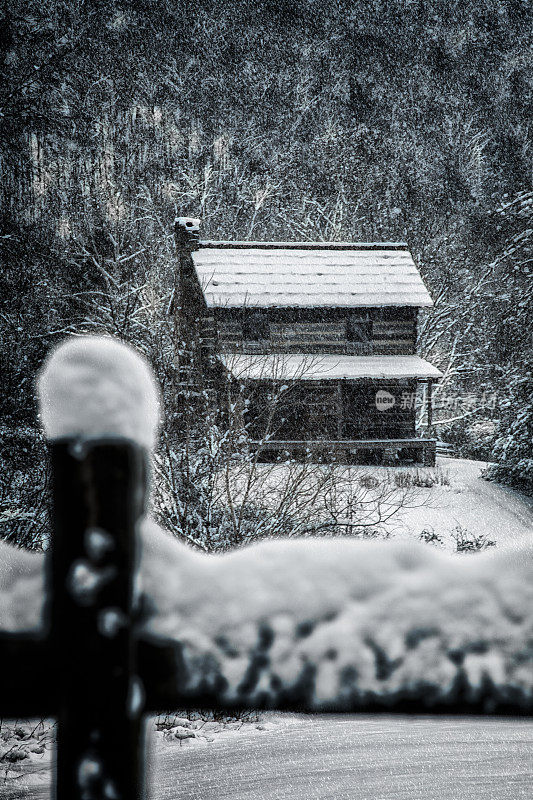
(357, 120)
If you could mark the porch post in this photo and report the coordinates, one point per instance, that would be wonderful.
(429, 401)
(340, 411)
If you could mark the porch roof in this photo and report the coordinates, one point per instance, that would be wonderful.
(308, 275)
(302, 366)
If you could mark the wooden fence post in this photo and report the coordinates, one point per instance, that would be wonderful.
(99, 491)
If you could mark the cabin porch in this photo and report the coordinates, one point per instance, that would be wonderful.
(343, 408)
(386, 452)
(349, 421)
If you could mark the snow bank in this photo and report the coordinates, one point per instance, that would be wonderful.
(98, 386)
(21, 589)
(327, 623)
(335, 624)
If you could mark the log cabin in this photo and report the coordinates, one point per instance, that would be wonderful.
(318, 338)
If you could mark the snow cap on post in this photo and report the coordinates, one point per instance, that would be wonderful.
(96, 386)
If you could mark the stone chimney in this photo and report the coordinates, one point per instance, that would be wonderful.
(187, 232)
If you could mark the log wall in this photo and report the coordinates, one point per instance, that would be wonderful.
(392, 331)
(329, 411)
(332, 410)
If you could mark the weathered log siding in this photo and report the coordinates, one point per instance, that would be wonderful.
(331, 410)
(197, 326)
(393, 331)
(303, 410)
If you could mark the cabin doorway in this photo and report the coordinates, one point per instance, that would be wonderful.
(357, 410)
(378, 409)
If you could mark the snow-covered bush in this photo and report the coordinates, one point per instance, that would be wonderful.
(481, 436)
(24, 489)
(429, 536)
(468, 542)
(212, 490)
(194, 486)
(421, 478)
(472, 438)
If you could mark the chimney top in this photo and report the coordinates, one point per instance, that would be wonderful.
(187, 230)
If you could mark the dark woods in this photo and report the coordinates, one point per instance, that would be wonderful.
(355, 121)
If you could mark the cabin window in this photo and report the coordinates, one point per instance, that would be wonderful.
(359, 330)
(255, 326)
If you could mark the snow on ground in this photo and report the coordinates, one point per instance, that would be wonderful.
(483, 508)
(354, 758)
(310, 757)
(197, 729)
(21, 589)
(457, 497)
(26, 751)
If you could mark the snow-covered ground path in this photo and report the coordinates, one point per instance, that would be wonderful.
(366, 757)
(439, 500)
(482, 507)
(363, 758)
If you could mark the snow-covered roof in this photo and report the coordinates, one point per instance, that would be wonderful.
(304, 366)
(311, 275)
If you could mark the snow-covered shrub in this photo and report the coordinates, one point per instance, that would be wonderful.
(213, 491)
(203, 488)
(429, 536)
(442, 476)
(403, 479)
(467, 542)
(368, 481)
(471, 438)
(24, 489)
(481, 436)
(423, 479)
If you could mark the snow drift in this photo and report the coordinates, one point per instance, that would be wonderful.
(336, 624)
(327, 624)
